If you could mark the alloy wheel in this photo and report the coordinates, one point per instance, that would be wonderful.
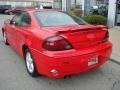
(29, 62)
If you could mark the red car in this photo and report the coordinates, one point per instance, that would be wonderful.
(56, 44)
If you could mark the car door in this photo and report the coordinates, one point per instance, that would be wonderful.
(12, 29)
(23, 30)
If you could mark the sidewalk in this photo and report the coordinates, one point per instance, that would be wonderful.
(115, 39)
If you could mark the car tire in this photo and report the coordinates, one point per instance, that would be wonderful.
(5, 38)
(10, 13)
(30, 64)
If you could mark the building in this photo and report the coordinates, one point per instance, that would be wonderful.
(66, 5)
(85, 5)
(109, 8)
(26, 3)
(114, 13)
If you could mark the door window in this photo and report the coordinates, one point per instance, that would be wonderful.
(17, 19)
(26, 19)
(21, 19)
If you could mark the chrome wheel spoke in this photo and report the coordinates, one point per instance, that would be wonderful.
(29, 62)
(4, 37)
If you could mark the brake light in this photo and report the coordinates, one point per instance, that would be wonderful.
(56, 43)
(106, 37)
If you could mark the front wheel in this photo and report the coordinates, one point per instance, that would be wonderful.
(10, 13)
(30, 65)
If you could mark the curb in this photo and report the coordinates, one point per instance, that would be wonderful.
(115, 59)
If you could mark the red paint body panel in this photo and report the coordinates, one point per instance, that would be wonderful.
(86, 41)
(71, 62)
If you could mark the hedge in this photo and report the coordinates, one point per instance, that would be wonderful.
(95, 19)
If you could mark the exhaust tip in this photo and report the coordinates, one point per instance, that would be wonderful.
(67, 76)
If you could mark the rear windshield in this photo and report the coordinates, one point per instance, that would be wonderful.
(55, 18)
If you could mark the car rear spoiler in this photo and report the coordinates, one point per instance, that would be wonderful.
(98, 27)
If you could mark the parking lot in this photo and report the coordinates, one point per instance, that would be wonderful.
(13, 74)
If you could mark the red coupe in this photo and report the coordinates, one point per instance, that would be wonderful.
(56, 44)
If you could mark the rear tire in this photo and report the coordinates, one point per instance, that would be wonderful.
(5, 38)
(30, 65)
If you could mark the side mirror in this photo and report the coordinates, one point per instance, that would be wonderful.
(13, 23)
(7, 21)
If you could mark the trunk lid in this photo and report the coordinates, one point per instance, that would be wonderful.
(81, 36)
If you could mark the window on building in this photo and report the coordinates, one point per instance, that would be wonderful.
(118, 13)
(57, 4)
(98, 6)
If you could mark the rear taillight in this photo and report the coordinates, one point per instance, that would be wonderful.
(106, 37)
(56, 43)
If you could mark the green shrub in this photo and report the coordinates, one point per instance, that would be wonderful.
(76, 12)
(95, 19)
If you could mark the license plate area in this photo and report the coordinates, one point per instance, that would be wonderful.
(92, 61)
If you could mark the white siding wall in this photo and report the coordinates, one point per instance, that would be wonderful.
(111, 12)
(64, 5)
(83, 6)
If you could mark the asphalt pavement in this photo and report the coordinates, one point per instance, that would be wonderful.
(13, 74)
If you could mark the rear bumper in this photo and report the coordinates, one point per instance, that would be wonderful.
(71, 61)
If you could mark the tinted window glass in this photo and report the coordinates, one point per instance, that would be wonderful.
(21, 19)
(54, 18)
(26, 20)
(17, 19)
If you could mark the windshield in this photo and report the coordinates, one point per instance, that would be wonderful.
(55, 18)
